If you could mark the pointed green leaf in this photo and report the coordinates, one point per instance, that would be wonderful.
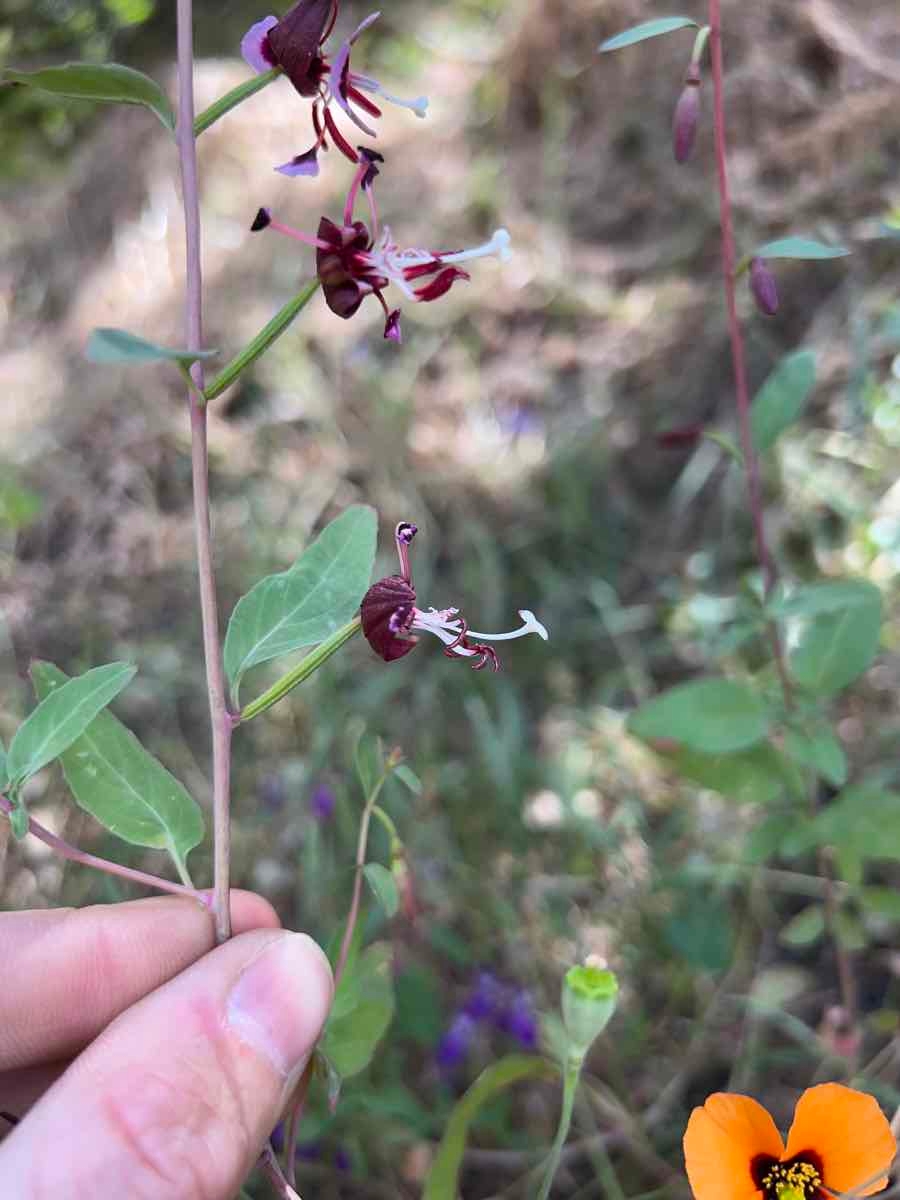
(409, 778)
(381, 881)
(368, 758)
(364, 1012)
(805, 928)
(308, 602)
(782, 398)
(108, 82)
(820, 751)
(817, 599)
(799, 247)
(443, 1178)
(120, 346)
(714, 716)
(61, 718)
(121, 784)
(756, 775)
(648, 29)
(836, 648)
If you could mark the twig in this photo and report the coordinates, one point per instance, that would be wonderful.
(73, 854)
(751, 461)
(221, 720)
(353, 915)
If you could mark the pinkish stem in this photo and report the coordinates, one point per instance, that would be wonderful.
(751, 461)
(221, 720)
(73, 854)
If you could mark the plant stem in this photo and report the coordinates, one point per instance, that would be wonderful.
(570, 1087)
(232, 99)
(221, 720)
(73, 854)
(751, 461)
(302, 671)
(263, 340)
(361, 845)
(270, 1165)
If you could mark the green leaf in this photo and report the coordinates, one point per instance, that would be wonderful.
(443, 1178)
(408, 777)
(18, 820)
(818, 599)
(368, 759)
(757, 775)
(849, 931)
(714, 716)
(648, 29)
(59, 719)
(363, 1008)
(308, 602)
(381, 881)
(4, 774)
(860, 824)
(782, 398)
(884, 902)
(805, 928)
(120, 346)
(121, 784)
(834, 649)
(768, 837)
(99, 81)
(705, 944)
(820, 751)
(799, 247)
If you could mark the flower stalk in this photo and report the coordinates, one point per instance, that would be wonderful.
(220, 719)
(232, 99)
(261, 343)
(302, 671)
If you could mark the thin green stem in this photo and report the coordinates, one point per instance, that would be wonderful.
(232, 99)
(361, 847)
(262, 341)
(380, 815)
(570, 1088)
(302, 671)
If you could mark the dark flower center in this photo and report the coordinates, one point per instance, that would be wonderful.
(799, 1178)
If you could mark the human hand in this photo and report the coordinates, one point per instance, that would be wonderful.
(144, 1063)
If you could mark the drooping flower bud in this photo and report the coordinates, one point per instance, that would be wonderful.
(687, 116)
(763, 287)
(589, 997)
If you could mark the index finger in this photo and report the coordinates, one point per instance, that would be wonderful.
(69, 972)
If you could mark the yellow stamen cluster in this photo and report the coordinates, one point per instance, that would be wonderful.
(792, 1181)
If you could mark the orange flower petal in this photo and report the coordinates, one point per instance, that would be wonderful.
(720, 1142)
(850, 1134)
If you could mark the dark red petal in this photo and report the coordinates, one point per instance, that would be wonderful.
(681, 438)
(338, 138)
(389, 601)
(440, 284)
(296, 40)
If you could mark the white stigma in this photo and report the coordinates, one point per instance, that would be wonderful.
(366, 84)
(498, 245)
(530, 625)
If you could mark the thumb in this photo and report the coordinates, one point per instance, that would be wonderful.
(175, 1099)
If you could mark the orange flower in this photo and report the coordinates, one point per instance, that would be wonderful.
(840, 1141)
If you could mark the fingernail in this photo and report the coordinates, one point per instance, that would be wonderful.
(280, 1001)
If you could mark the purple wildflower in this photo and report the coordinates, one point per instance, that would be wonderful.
(687, 116)
(353, 261)
(456, 1043)
(295, 44)
(389, 617)
(763, 287)
(485, 998)
(322, 803)
(519, 1020)
(342, 1160)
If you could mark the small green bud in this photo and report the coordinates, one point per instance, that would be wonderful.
(589, 997)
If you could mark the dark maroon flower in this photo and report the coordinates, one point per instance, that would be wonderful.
(687, 116)
(353, 261)
(296, 45)
(389, 616)
(763, 287)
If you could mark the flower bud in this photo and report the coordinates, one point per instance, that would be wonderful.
(589, 997)
(687, 116)
(762, 285)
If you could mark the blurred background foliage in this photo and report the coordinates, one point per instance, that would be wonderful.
(518, 428)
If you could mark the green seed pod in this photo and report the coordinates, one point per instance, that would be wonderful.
(588, 1001)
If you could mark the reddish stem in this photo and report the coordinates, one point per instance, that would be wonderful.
(729, 257)
(220, 719)
(73, 854)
